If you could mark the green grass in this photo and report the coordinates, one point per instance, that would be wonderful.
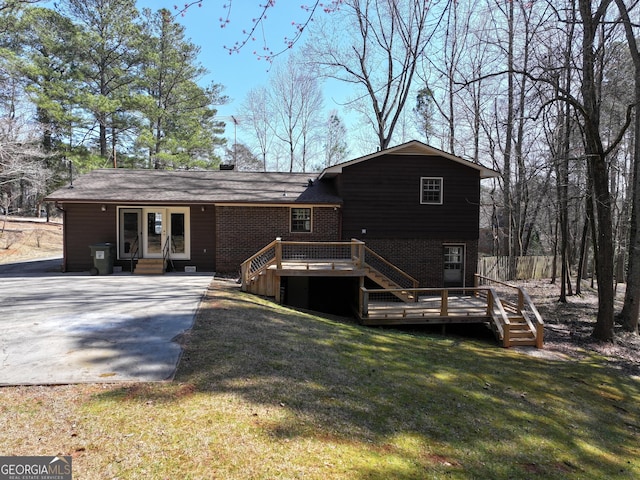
(263, 391)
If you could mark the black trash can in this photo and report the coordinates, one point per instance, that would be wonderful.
(103, 255)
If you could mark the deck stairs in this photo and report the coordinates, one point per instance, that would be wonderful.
(518, 331)
(150, 266)
(385, 282)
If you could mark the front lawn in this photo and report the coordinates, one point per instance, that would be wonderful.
(267, 392)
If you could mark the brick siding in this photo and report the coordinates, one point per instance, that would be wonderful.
(243, 231)
(423, 259)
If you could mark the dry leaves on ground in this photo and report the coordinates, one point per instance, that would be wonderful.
(568, 326)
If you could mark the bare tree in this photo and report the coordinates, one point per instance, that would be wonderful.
(295, 101)
(257, 120)
(23, 172)
(597, 163)
(631, 308)
(377, 46)
(335, 145)
(241, 156)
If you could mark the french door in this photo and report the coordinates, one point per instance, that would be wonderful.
(145, 232)
(130, 232)
(155, 232)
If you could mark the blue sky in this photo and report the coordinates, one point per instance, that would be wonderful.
(239, 72)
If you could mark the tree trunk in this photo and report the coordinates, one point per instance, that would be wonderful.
(631, 307)
(583, 252)
(598, 171)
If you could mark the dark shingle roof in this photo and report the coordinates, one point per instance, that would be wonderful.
(166, 186)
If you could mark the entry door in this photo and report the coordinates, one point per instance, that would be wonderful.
(130, 232)
(155, 232)
(454, 265)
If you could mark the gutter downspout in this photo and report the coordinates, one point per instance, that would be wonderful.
(64, 237)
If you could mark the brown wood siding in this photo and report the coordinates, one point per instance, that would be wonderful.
(203, 239)
(85, 225)
(382, 195)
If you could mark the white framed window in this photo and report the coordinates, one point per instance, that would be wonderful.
(301, 220)
(431, 190)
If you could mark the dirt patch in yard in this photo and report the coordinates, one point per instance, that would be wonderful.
(23, 240)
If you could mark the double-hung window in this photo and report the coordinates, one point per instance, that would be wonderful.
(300, 219)
(431, 190)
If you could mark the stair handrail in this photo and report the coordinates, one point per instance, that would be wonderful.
(134, 252)
(258, 262)
(166, 253)
(404, 275)
(501, 319)
(538, 328)
(524, 304)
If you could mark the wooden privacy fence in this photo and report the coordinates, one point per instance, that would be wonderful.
(526, 268)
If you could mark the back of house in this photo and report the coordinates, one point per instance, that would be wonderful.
(414, 205)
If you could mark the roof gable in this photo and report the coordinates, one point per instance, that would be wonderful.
(413, 147)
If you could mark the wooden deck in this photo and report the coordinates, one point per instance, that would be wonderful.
(511, 313)
(427, 310)
(318, 267)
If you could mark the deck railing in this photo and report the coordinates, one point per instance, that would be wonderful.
(442, 302)
(354, 252)
(257, 263)
(400, 278)
(288, 251)
(516, 299)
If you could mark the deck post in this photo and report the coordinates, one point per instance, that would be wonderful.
(276, 288)
(539, 335)
(364, 303)
(520, 300)
(357, 251)
(244, 277)
(444, 303)
(278, 253)
(506, 339)
(489, 303)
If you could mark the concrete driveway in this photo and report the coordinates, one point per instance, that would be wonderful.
(69, 328)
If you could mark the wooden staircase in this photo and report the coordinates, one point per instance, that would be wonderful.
(515, 331)
(150, 266)
(385, 282)
(520, 333)
(515, 323)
